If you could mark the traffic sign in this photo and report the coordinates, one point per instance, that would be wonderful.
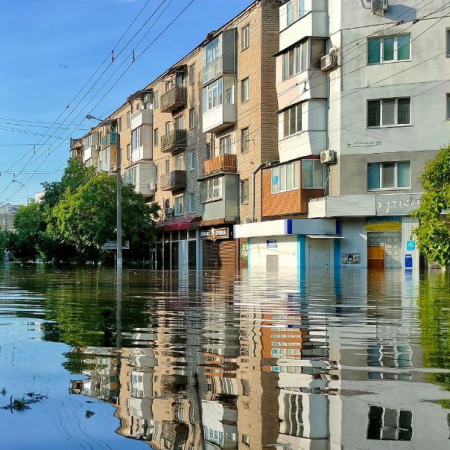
(112, 245)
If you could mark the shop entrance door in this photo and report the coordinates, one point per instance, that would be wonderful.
(385, 250)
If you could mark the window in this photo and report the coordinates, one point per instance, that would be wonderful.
(292, 120)
(179, 162)
(297, 59)
(244, 191)
(312, 174)
(292, 14)
(389, 424)
(179, 123)
(246, 37)
(167, 127)
(213, 189)
(167, 166)
(448, 106)
(245, 90)
(390, 175)
(179, 78)
(192, 74)
(212, 50)
(285, 177)
(226, 146)
(136, 138)
(191, 203)
(119, 124)
(128, 119)
(389, 48)
(212, 95)
(191, 160)
(156, 137)
(191, 118)
(178, 205)
(156, 99)
(209, 152)
(389, 112)
(245, 140)
(129, 151)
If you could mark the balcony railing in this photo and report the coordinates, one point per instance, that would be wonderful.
(174, 99)
(173, 181)
(221, 163)
(173, 140)
(109, 139)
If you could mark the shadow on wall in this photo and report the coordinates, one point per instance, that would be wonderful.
(396, 12)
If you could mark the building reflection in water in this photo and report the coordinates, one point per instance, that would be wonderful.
(244, 368)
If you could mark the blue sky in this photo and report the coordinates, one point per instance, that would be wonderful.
(50, 48)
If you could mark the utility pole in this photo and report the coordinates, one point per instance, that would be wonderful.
(119, 261)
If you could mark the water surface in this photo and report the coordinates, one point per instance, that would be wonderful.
(218, 361)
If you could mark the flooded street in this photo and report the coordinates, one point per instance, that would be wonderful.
(215, 361)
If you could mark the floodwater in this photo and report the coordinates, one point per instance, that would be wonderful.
(215, 361)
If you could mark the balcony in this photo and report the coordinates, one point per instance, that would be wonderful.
(220, 164)
(142, 176)
(141, 117)
(218, 67)
(313, 22)
(173, 181)
(109, 140)
(174, 140)
(174, 99)
(218, 118)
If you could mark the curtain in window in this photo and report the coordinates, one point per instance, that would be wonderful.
(388, 112)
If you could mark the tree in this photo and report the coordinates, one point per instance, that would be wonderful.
(29, 224)
(433, 232)
(86, 218)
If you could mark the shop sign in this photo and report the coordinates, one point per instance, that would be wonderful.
(272, 243)
(398, 204)
(411, 245)
(244, 251)
(351, 258)
(363, 144)
(222, 233)
(206, 234)
(384, 224)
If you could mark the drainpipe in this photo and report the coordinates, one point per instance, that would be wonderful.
(261, 166)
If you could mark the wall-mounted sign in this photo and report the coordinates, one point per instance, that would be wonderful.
(244, 251)
(411, 245)
(398, 204)
(363, 144)
(112, 245)
(351, 258)
(205, 234)
(382, 224)
(275, 180)
(216, 233)
(272, 243)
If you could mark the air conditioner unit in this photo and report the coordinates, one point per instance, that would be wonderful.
(328, 157)
(329, 62)
(379, 6)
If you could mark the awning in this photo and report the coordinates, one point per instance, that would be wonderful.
(324, 236)
(178, 224)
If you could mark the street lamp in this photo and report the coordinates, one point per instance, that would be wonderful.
(119, 259)
(23, 186)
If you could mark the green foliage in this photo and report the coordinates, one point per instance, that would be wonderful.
(76, 218)
(433, 232)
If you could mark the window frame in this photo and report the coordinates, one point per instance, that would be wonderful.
(178, 201)
(191, 118)
(156, 99)
(396, 124)
(244, 189)
(282, 170)
(395, 187)
(191, 196)
(191, 74)
(245, 82)
(245, 37)
(191, 160)
(136, 138)
(447, 105)
(156, 137)
(231, 147)
(211, 188)
(289, 110)
(314, 184)
(245, 142)
(395, 51)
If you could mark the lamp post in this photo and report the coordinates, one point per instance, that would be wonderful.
(25, 187)
(119, 257)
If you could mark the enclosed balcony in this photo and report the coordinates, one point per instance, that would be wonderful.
(220, 164)
(107, 161)
(109, 140)
(302, 19)
(90, 144)
(174, 99)
(173, 140)
(141, 117)
(173, 181)
(142, 176)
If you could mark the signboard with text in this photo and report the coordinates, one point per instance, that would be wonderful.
(396, 204)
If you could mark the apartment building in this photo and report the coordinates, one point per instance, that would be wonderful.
(194, 140)
(363, 106)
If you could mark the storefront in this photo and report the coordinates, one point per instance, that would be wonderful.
(178, 245)
(219, 248)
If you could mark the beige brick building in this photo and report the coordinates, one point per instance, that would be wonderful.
(195, 139)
